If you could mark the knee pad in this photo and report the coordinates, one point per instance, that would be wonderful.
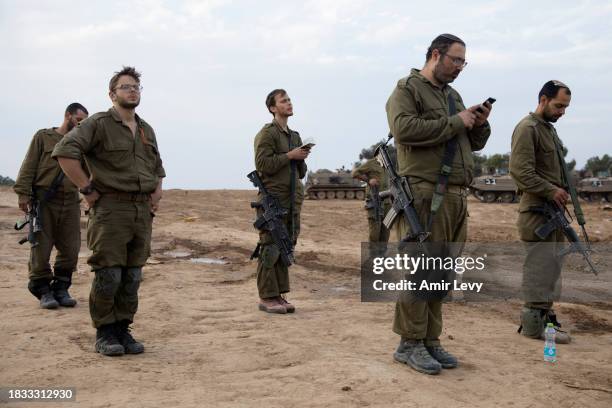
(107, 281)
(132, 279)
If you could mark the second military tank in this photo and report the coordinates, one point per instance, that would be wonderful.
(494, 188)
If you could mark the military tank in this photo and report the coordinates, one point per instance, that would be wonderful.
(494, 188)
(340, 185)
(595, 189)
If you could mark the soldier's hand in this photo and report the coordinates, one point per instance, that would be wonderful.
(298, 154)
(561, 197)
(468, 117)
(92, 198)
(155, 198)
(481, 117)
(25, 207)
(373, 182)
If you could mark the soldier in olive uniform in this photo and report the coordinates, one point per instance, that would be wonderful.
(535, 165)
(59, 214)
(279, 160)
(123, 193)
(418, 116)
(372, 173)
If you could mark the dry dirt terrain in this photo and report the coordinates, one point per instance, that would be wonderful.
(207, 345)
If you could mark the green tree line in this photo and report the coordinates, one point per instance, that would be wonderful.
(6, 181)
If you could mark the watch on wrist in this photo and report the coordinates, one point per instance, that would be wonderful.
(87, 190)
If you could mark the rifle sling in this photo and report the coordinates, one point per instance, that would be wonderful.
(292, 192)
(52, 190)
(445, 168)
(567, 180)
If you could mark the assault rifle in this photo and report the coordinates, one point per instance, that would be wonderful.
(32, 219)
(403, 199)
(271, 221)
(557, 219)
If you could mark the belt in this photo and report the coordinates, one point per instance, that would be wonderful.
(123, 196)
(59, 194)
(450, 188)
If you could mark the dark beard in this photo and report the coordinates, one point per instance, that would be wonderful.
(70, 126)
(549, 118)
(438, 76)
(128, 105)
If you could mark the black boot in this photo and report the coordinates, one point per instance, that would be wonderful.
(41, 289)
(107, 342)
(60, 292)
(130, 345)
(47, 301)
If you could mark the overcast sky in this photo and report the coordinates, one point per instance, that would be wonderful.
(208, 65)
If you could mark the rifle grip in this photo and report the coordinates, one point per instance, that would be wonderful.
(544, 230)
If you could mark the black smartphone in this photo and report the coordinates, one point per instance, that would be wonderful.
(490, 100)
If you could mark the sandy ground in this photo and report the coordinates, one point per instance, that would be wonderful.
(209, 346)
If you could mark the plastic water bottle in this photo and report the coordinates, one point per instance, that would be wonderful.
(550, 348)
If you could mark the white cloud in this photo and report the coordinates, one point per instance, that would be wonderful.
(207, 66)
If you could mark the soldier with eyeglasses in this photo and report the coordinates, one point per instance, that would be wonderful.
(423, 123)
(123, 191)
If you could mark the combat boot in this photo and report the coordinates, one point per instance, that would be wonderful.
(42, 290)
(130, 345)
(446, 359)
(60, 293)
(561, 337)
(47, 301)
(288, 306)
(533, 324)
(271, 305)
(414, 353)
(106, 341)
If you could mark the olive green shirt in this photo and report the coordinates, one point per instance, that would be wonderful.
(117, 160)
(534, 162)
(271, 146)
(372, 169)
(38, 168)
(417, 112)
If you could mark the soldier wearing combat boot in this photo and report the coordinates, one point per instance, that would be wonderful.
(537, 167)
(425, 115)
(40, 178)
(279, 160)
(123, 193)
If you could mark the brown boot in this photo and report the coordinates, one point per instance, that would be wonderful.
(271, 305)
(290, 308)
